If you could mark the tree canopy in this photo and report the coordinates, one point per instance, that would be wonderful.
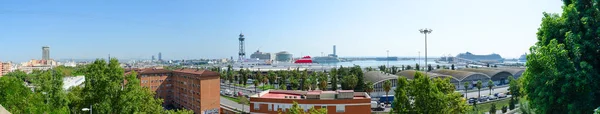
(427, 96)
(562, 75)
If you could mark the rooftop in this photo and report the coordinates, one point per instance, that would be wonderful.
(291, 94)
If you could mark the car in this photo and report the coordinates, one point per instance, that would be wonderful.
(483, 98)
(472, 100)
(501, 95)
(496, 94)
(493, 97)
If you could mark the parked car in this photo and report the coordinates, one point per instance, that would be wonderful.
(472, 100)
(483, 98)
(501, 95)
(493, 98)
(496, 94)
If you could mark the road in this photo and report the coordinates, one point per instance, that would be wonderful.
(487, 92)
(225, 101)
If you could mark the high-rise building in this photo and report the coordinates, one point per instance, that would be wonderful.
(45, 53)
(1, 69)
(153, 58)
(192, 89)
(159, 56)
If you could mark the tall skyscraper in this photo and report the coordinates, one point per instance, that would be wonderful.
(159, 56)
(45, 53)
(153, 58)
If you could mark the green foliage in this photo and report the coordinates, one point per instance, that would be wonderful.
(514, 87)
(479, 85)
(333, 74)
(350, 82)
(466, 85)
(387, 86)
(428, 96)
(511, 103)
(504, 109)
(562, 68)
(296, 109)
(490, 85)
(493, 108)
(370, 87)
(452, 67)
(322, 81)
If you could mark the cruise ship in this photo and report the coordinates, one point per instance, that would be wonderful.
(331, 58)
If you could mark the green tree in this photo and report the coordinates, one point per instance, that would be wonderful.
(296, 109)
(243, 101)
(513, 87)
(387, 86)
(272, 77)
(370, 87)
(437, 67)
(382, 68)
(322, 81)
(466, 88)
(493, 108)
(417, 67)
(427, 95)
(452, 67)
(256, 83)
(351, 81)
(333, 74)
(358, 73)
(479, 85)
(408, 67)
(562, 68)
(490, 85)
(401, 104)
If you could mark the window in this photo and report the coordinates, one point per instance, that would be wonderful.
(324, 106)
(270, 107)
(340, 108)
(256, 106)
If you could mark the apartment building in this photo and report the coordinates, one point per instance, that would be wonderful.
(192, 89)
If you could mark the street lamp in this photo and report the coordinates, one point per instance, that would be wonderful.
(388, 58)
(426, 31)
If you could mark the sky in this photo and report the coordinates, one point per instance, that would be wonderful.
(193, 29)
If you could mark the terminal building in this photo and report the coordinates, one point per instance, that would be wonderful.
(378, 78)
(459, 77)
(192, 89)
(336, 102)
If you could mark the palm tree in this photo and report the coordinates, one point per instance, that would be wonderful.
(322, 81)
(490, 85)
(387, 86)
(370, 87)
(466, 88)
(255, 85)
(479, 88)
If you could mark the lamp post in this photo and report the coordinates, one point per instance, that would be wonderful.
(419, 60)
(388, 58)
(426, 31)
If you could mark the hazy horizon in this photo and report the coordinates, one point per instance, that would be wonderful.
(189, 29)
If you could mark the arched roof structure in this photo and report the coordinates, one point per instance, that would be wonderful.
(410, 74)
(492, 73)
(378, 76)
(461, 75)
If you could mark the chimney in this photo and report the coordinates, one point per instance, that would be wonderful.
(334, 50)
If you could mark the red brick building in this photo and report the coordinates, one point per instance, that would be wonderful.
(336, 102)
(182, 88)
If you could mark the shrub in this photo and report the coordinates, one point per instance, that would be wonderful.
(504, 109)
(493, 108)
(511, 104)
